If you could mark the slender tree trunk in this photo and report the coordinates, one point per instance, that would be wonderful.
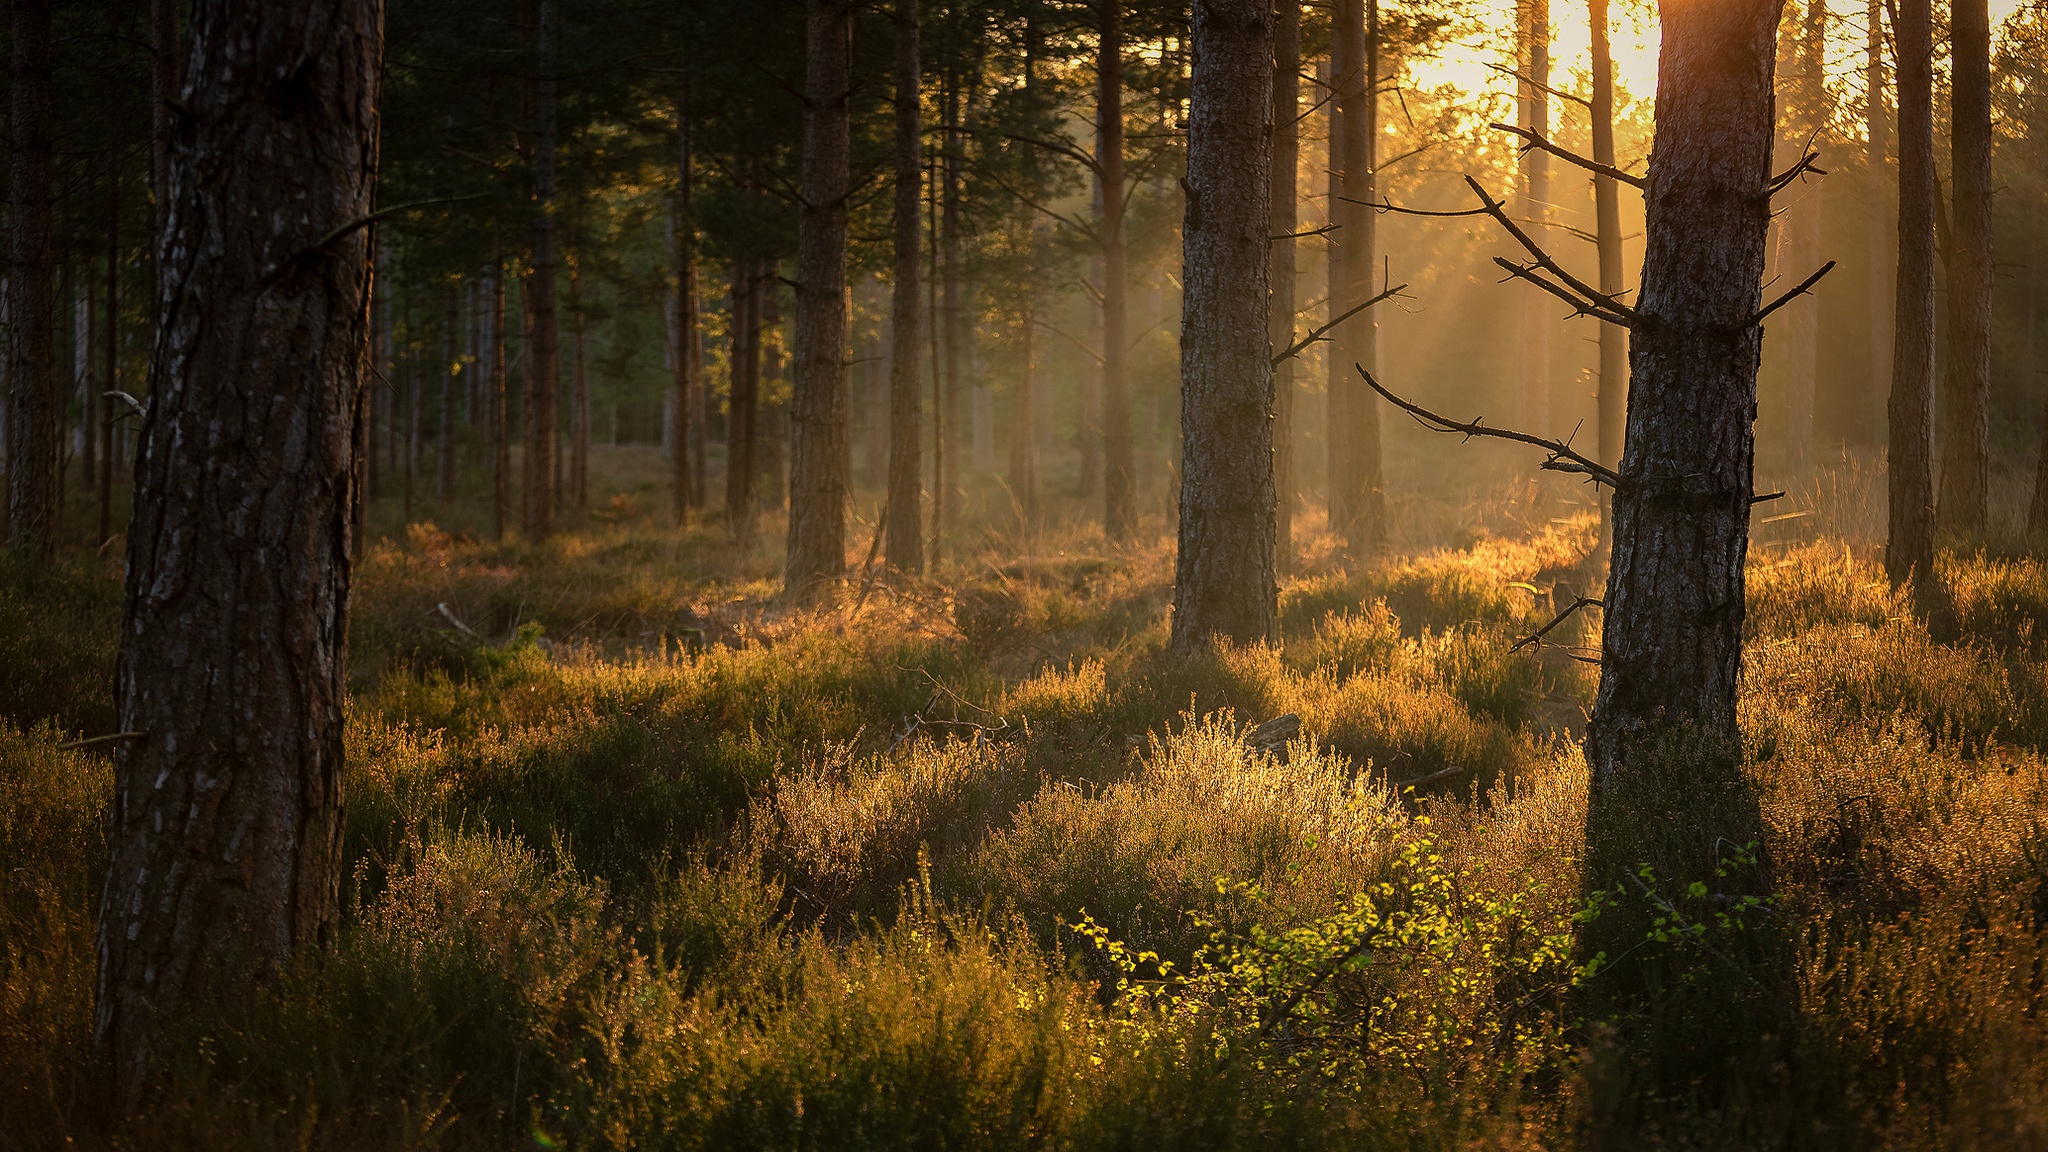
(1966, 388)
(451, 384)
(931, 302)
(772, 431)
(88, 457)
(904, 507)
(684, 428)
(165, 69)
(412, 415)
(1909, 554)
(1538, 309)
(2037, 298)
(224, 838)
(102, 428)
(1613, 393)
(1882, 231)
(1799, 235)
(543, 371)
(1285, 221)
(946, 510)
(1671, 647)
(1336, 372)
(501, 404)
(579, 380)
(818, 488)
(744, 388)
(33, 404)
(1363, 523)
(1223, 580)
(1119, 488)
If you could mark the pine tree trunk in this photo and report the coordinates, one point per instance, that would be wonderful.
(1337, 374)
(1671, 647)
(904, 508)
(544, 371)
(1357, 504)
(1966, 386)
(1223, 580)
(103, 426)
(165, 67)
(818, 485)
(224, 838)
(946, 436)
(451, 376)
(1613, 392)
(1119, 481)
(744, 389)
(684, 428)
(1909, 553)
(1285, 221)
(33, 407)
(1538, 309)
(1882, 229)
(501, 405)
(1797, 325)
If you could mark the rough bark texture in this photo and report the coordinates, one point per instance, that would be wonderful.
(1119, 466)
(1538, 308)
(543, 367)
(1909, 553)
(1285, 218)
(684, 429)
(225, 834)
(1671, 647)
(906, 404)
(1613, 392)
(33, 405)
(743, 387)
(1966, 384)
(1223, 579)
(818, 485)
(164, 72)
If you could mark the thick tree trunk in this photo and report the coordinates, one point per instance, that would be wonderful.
(1671, 648)
(1119, 481)
(225, 834)
(1285, 220)
(1538, 309)
(1966, 385)
(904, 509)
(1613, 390)
(1909, 553)
(33, 405)
(1223, 580)
(818, 485)
(543, 371)
(744, 360)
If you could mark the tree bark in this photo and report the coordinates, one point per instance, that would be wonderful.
(1671, 647)
(905, 508)
(1285, 220)
(225, 833)
(1119, 482)
(1223, 579)
(103, 426)
(946, 436)
(543, 371)
(451, 377)
(744, 358)
(1799, 224)
(33, 404)
(1909, 553)
(818, 486)
(1357, 474)
(1613, 391)
(685, 384)
(1336, 372)
(501, 404)
(1966, 386)
(1537, 308)
(579, 380)
(1881, 228)
(164, 72)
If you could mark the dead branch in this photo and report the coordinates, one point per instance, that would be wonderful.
(1386, 205)
(1536, 637)
(1323, 231)
(1296, 348)
(1563, 458)
(1595, 302)
(1579, 307)
(1805, 286)
(109, 738)
(1807, 163)
(1534, 139)
(1765, 497)
(1432, 778)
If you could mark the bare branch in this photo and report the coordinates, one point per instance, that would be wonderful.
(1563, 458)
(1805, 286)
(1524, 78)
(1386, 205)
(1296, 348)
(1806, 164)
(1600, 300)
(1323, 231)
(1532, 139)
(1536, 637)
(1579, 307)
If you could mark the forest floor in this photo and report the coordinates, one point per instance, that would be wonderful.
(640, 857)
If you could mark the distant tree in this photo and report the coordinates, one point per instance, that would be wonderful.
(1613, 392)
(1119, 487)
(1285, 219)
(1223, 580)
(33, 408)
(543, 360)
(1966, 387)
(1909, 553)
(1532, 86)
(224, 840)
